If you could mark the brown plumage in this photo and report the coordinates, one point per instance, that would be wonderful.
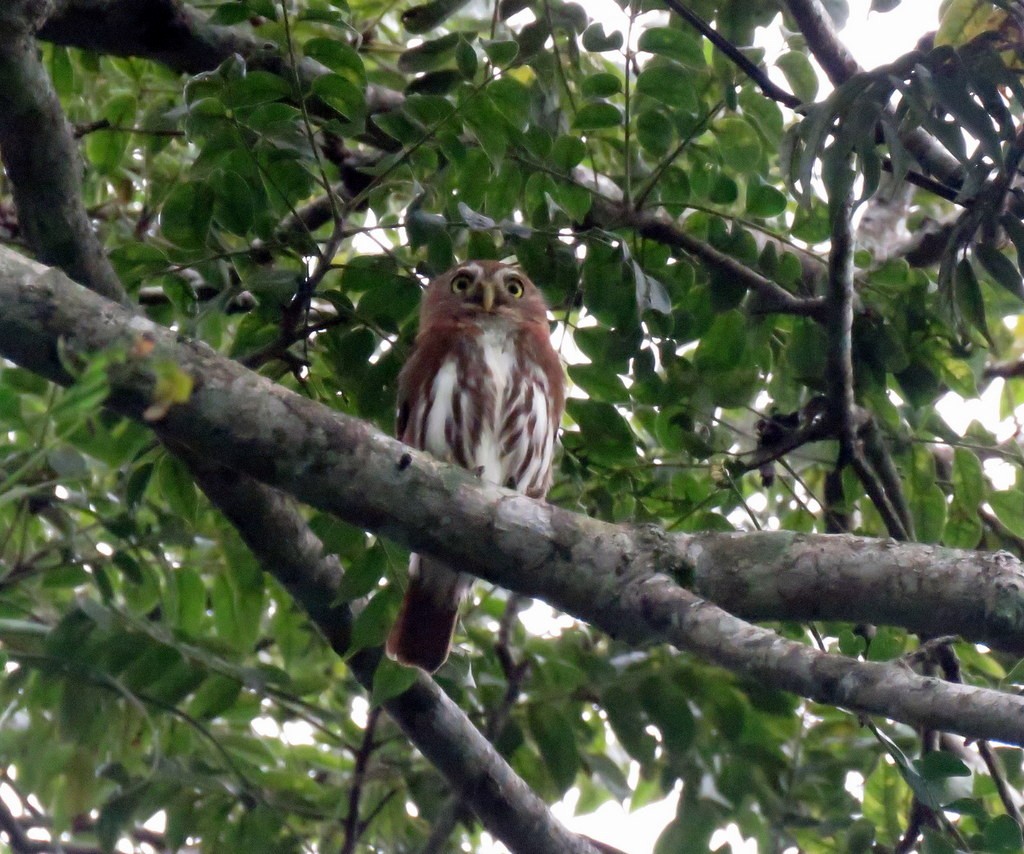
(484, 389)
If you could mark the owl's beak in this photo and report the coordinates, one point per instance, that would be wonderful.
(487, 294)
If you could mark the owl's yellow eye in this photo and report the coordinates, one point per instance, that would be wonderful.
(514, 285)
(461, 283)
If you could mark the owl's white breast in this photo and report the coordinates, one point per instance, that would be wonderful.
(497, 350)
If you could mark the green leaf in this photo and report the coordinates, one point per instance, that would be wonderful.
(363, 574)
(177, 487)
(1000, 268)
(234, 203)
(389, 680)
(968, 479)
(765, 201)
(940, 764)
(597, 115)
(429, 55)
(1002, 833)
(227, 14)
(800, 75)
(674, 44)
(557, 742)
(215, 696)
(465, 58)
(488, 126)
(929, 511)
(598, 383)
(186, 214)
(427, 16)
(256, 87)
(595, 39)
(1009, 507)
(341, 94)
(851, 643)
(655, 132)
(601, 85)
(724, 345)
(567, 152)
(372, 624)
(604, 431)
(501, 53)
(573, 199)
(886, 645)
(968, 296)
(337, 56)
(669, 84)
(106, 148)
(668, 707)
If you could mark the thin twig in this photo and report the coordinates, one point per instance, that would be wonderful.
(353, 827)
(735, 55)
(998, 775)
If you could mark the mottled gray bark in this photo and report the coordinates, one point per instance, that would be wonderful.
(41, 159)
(620, 579)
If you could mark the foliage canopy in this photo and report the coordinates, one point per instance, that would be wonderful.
(276, 180)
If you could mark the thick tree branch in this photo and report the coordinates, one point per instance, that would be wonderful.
(611, 576)
(42, 161)
(174, 34)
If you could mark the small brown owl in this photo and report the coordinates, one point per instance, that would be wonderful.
(484, 389)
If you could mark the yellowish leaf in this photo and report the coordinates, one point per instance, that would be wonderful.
(173, 385)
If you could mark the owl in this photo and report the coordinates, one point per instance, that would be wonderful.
(484, 389)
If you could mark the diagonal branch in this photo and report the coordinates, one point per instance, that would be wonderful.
(611, 576)
(658, 227)
(176, 35)
(272, 527)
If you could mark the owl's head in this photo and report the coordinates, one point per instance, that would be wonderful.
(478, 289)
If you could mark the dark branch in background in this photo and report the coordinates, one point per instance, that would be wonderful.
(179, 37)
(17, 837)
(42, 171)
(945, 658)
(815, 24)
(818, 31)
(604, 574)
(736, 56)
(839, 336)
(453, 809)
(1006, 370)
(770, 297)
(353, 826)
(1007, 794)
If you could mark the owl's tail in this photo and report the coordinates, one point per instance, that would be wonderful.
(422, 634)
